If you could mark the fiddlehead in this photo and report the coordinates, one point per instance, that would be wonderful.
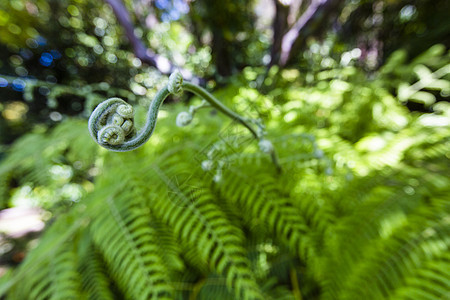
(175, 84)
(184, 118)
(111, 124)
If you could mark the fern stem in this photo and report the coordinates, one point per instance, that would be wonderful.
(202, 93)
(295, 287)
(196, 289)
(275, 160)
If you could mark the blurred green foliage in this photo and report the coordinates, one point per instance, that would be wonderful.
(360, 121)
(390, 25)
(70, 44)
(363, 195)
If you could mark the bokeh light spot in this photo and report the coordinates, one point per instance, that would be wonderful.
(3, 82)
(18, 85)
(46, 59)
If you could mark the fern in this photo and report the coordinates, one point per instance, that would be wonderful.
(201, 224)
(130, 250)
(63, 269)
(32, 157)
(347, 219)
(94, 274)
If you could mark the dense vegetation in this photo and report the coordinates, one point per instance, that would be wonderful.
(360, 210)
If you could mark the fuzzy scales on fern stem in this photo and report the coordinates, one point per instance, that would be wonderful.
(111, 124)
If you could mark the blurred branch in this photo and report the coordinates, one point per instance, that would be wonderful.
(145, 54)
(93, 93)
(280, 26)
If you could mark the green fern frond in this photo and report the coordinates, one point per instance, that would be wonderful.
(390, 237)
(128, 245)
(95, 280)
(36, 280)
(257, 200)
(390, 263)
(431, 281)
(197, 220)
(166, 240)
(66, 281)
(31, 159)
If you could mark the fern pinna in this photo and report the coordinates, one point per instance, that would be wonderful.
(343, 220)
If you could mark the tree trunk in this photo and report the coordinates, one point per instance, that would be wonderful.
(312, 22)
(280, 26)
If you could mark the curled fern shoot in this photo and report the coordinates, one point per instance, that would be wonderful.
(111, 124)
